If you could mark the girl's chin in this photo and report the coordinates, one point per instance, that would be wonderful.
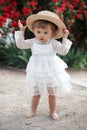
(42, 41)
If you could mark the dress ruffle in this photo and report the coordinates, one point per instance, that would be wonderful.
(46, 75)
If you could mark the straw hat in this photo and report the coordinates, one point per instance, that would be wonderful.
(49, 16)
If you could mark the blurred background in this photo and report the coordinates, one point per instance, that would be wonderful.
(72, 12)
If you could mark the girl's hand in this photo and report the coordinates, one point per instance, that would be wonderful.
(22, 28)
(66, 33)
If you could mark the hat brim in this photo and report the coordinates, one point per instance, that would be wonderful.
(31, 19)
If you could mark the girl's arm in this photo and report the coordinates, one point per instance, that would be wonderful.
(21, 43)
(62, 48)
(19, 38)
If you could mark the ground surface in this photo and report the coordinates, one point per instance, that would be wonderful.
(15, 103)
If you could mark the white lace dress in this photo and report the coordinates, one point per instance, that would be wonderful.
(46, 73)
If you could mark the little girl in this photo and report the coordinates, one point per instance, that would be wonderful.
(46, 73)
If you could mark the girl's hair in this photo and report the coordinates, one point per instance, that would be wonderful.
(43, 24)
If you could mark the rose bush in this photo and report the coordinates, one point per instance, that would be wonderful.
(72, 12)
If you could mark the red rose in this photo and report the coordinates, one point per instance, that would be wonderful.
(26, 11)
(59, 9)
(2, 20)
(85, 12)
(7, 15)
(14, 24)
(69, 5)
(79, 16)
(33, 3)
(2, 2)
(17, 14)
(55, 1)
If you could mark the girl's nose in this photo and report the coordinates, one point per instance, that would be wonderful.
(41, 35)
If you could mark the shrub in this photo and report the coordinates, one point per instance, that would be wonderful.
(10, 55)
(76, 59)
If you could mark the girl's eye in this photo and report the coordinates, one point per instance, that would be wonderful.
(38, 32)
(45, 32)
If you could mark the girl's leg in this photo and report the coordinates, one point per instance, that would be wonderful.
(34, 105)
(52, 107)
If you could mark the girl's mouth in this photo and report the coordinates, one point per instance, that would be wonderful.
(41, 39)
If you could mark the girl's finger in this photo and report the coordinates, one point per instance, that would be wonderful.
(20, 24)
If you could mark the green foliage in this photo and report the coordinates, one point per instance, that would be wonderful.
(12, 56)
(81, 60)
(76, 59)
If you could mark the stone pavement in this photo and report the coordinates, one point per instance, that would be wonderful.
(15, 103)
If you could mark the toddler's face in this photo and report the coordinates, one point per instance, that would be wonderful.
(43, 34)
